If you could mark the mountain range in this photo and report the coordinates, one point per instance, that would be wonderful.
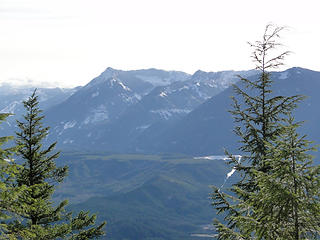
(167, 119)
(156, 111)
(208, 129)
(11, 98)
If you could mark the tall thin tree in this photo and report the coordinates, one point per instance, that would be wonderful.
(256, 110)
(40, 218)
(258, 114)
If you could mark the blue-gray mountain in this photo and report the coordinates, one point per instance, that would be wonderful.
(118, 107)
(101, 102)
(159, 109)
(154, 111)
(209, 128)
(11, 98)
(161, 196)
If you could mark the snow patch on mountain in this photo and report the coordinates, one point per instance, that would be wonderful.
(112, 81)
(124, 86)
(97, 115)
(168, 113)
(115, 80)
(69, 124)
(10, 108)
(212, 85)
(284, 75)
(163, 94)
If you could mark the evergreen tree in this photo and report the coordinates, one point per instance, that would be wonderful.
(258, 114)
(38, 217)
(287, 204)
(8, 191)
(256, 110)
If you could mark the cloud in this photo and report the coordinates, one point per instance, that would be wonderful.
(27, 82)
(17, 10)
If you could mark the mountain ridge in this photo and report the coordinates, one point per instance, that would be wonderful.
(122, 111)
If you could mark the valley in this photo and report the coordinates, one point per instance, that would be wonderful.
(135, 143)
(144, 196)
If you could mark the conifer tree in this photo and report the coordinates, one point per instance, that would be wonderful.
(256, 110)
(8, 191)
(287, 204)
(38, 217)
(258, 114)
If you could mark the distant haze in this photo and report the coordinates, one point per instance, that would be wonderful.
(67, 43)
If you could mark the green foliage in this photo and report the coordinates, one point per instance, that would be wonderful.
(278, 196)
(256, 110)
(289, 193)
(8, 191)
(144, 197)
(286, 205)
(37, 217)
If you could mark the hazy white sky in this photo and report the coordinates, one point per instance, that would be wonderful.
(69, 42)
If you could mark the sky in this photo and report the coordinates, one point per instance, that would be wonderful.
(67, 43)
